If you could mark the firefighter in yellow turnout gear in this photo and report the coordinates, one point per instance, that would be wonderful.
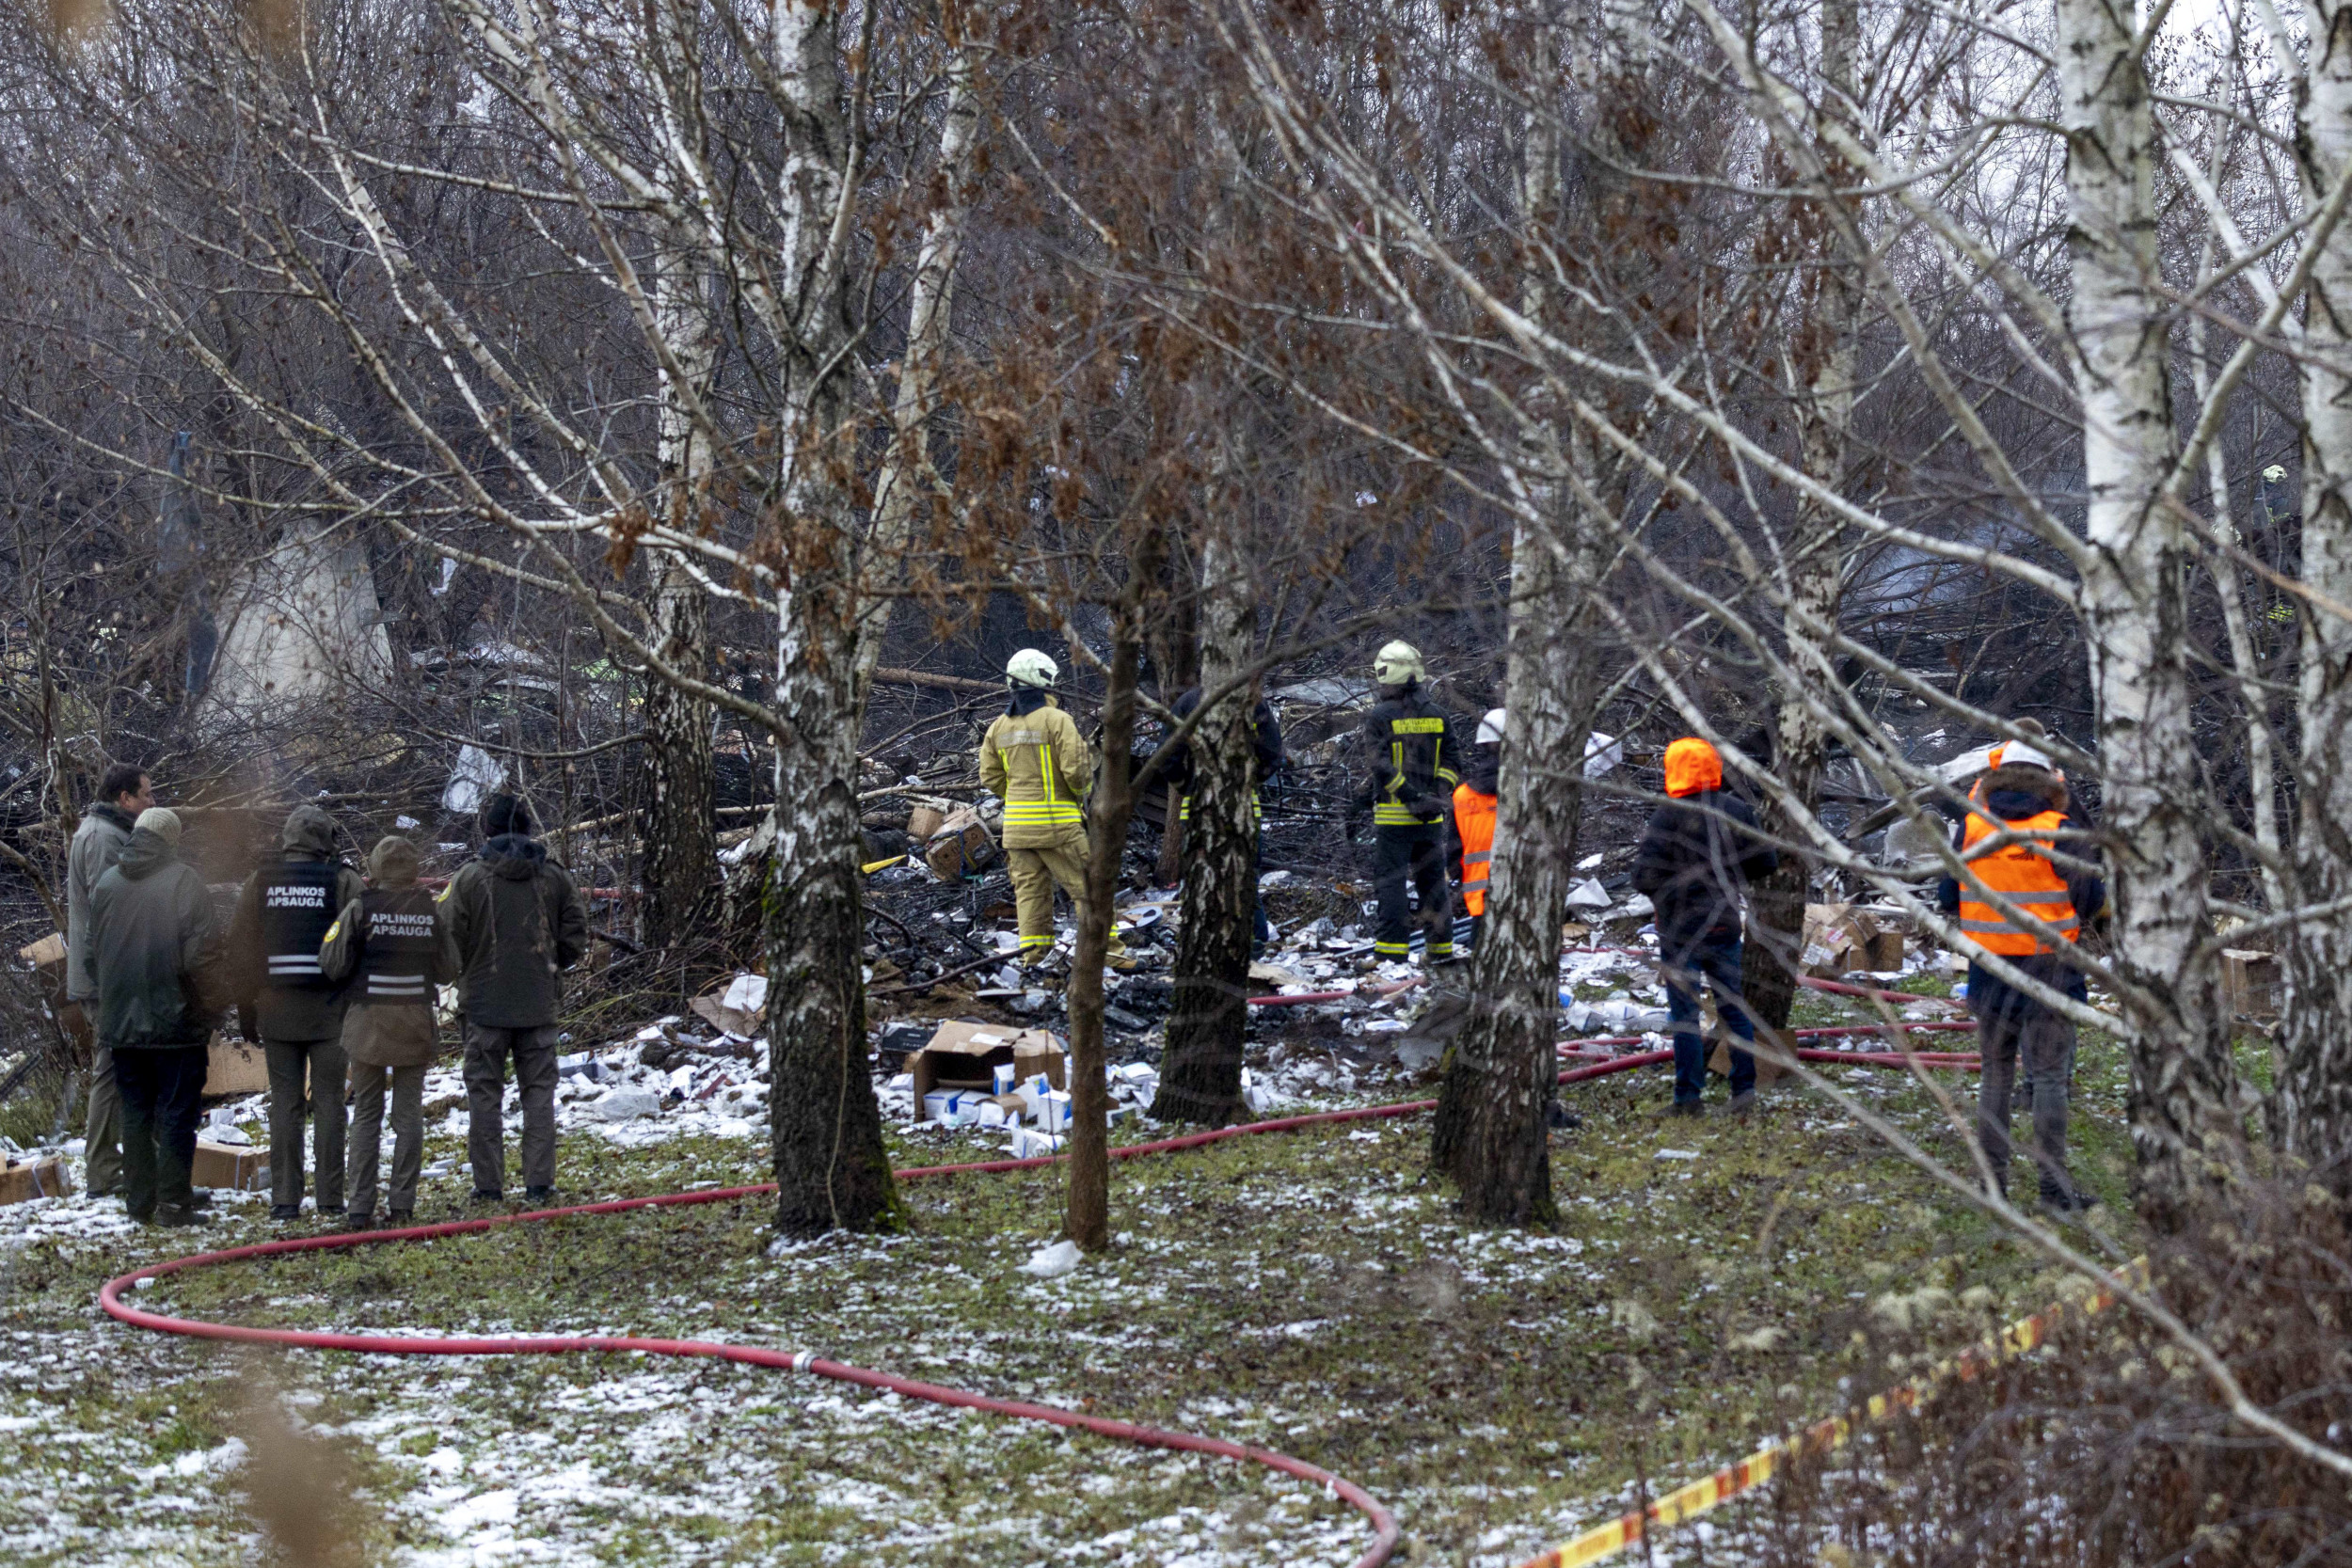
(1034, 759)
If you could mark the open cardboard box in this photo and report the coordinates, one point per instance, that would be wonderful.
(965, 1056)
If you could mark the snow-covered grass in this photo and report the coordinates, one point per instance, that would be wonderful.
(1310, 1293)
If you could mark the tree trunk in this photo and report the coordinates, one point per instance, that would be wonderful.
(2312, 1110)
(830, 1165)
(905, 477)
(1209, 1014)
(1175, 650)
(1816, 571)
(680, 868)
(681, 860)
(2183, 1092)
(1088, 1219)
(1491, 1135)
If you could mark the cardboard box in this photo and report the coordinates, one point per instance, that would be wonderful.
(1719, 1063)
(236, 1067)
(736, 1005)
(1855, 936)
(2250, 982)
(48, 951)
(965, 1056)
(238, 1169)
(925, 817)
(22, 1181)
(961, 847)
(1053, 1111)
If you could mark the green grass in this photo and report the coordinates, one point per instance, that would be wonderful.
(1313, 1292)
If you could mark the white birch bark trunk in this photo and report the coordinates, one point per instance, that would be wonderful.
(1491, 1135)
(903, 483)
(1815, 568)
(830, 1165)
(2312, 1110)
(1200, 1075)
(2182, 1082)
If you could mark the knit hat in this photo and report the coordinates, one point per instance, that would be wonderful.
(163, 824)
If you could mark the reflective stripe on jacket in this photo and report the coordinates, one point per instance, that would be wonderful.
(1474, 824)
(2024, 875)
(1038, 765)
(1413, 762)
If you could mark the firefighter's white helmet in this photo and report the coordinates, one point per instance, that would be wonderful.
(1031, 667)
(1396, 664)
(1490, 728)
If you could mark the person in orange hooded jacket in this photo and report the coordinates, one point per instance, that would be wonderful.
(1475, 801)
(1701, 849)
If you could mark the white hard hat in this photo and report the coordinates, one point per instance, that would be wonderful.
(1490, 728)
(1396, 664)
(2018, 754)
(1031, 667)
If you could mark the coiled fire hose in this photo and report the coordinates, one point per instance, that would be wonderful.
(1385, 1532)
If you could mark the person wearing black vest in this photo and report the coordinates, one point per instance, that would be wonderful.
(282, 919)
(390, 952)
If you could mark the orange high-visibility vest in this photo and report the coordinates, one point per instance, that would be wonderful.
(1474, 821)
(2022, 874)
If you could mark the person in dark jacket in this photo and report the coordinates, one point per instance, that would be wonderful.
(1695, 860)
(515, 923)
(1414, 766)
(390, 946)
(1265, 746)
(155, 951)
(2025, 797)
(282, 914)
(106, 828)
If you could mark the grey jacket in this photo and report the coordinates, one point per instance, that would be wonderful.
(97, 844)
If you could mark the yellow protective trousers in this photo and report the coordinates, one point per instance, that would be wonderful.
(1036, 870)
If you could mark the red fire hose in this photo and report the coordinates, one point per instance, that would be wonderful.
(1385, 1530)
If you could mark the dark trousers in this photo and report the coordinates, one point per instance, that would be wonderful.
(2016, 1031)
(1415, 856)
(486, 1049)
(1717, 964)
(160, 1088)
(325, 1062)
(1260, 929)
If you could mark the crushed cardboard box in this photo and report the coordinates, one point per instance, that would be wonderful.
(965, 1056)
(238, 1169)
(22, 1180)
(1855, 937)
(735, 1007)
(960, 846)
